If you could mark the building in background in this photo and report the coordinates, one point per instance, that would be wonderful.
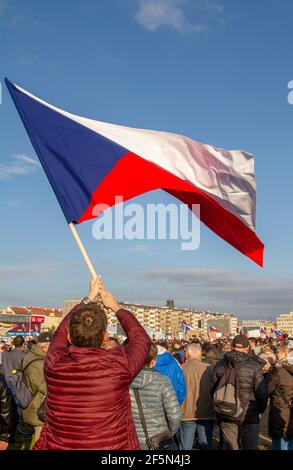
(247, 326)
(69, 304)
(34, 319)
(285, 323)
(166, 320)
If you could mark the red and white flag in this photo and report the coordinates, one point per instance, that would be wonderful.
(89, 162)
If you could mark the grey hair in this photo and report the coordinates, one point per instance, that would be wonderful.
(193, 347)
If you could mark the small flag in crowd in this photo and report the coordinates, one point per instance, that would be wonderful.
(263, 330)
(90, 162)
(184, 326)
(278, 334)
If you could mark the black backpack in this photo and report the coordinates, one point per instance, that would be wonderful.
(227, 403)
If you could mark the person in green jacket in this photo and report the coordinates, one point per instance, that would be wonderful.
(33, 367)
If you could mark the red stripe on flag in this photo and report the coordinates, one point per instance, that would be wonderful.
(133, 175)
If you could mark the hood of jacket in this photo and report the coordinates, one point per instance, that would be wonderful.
(36, 352)
(256, 357)
(145, 378)
(36, 349)
(213, 353)
(236, 357)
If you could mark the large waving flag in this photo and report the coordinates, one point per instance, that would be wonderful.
(90, 162)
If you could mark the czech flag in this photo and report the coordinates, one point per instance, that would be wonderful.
(279, 335)
(184, 326)
(263, 330)
(90, 162)
(213, 329)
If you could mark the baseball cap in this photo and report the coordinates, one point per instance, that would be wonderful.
(240, 341)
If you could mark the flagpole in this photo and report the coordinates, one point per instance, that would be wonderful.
(82, 250)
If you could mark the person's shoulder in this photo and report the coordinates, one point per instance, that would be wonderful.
(186, 365)
(255, 363)
(273, 374)
(31, 356)
(162, 379)
(220, 363)
(205, 365)
(175, 363)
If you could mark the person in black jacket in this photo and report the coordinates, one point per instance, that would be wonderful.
(280, 385)
(6, 414)
(252, 393)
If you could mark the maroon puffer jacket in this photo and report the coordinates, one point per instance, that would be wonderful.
(88, 403)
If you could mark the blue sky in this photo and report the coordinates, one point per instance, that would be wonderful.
(215, 70)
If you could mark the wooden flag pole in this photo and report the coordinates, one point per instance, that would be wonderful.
(82, 250)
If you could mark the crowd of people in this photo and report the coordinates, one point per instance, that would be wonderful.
(81, 389)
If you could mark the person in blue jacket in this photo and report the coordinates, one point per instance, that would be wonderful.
(167, 365)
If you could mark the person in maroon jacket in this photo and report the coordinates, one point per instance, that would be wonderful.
(88, 401)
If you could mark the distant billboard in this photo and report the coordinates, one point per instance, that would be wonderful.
(222, 325)
(15, 325)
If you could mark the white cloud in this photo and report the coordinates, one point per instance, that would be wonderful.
(31, 270)
(224, 290)
(153, 14)
(16, 280)
(19, 165)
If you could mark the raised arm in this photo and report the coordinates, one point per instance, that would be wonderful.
(138, 345)
(59, 344)
(138, 342)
